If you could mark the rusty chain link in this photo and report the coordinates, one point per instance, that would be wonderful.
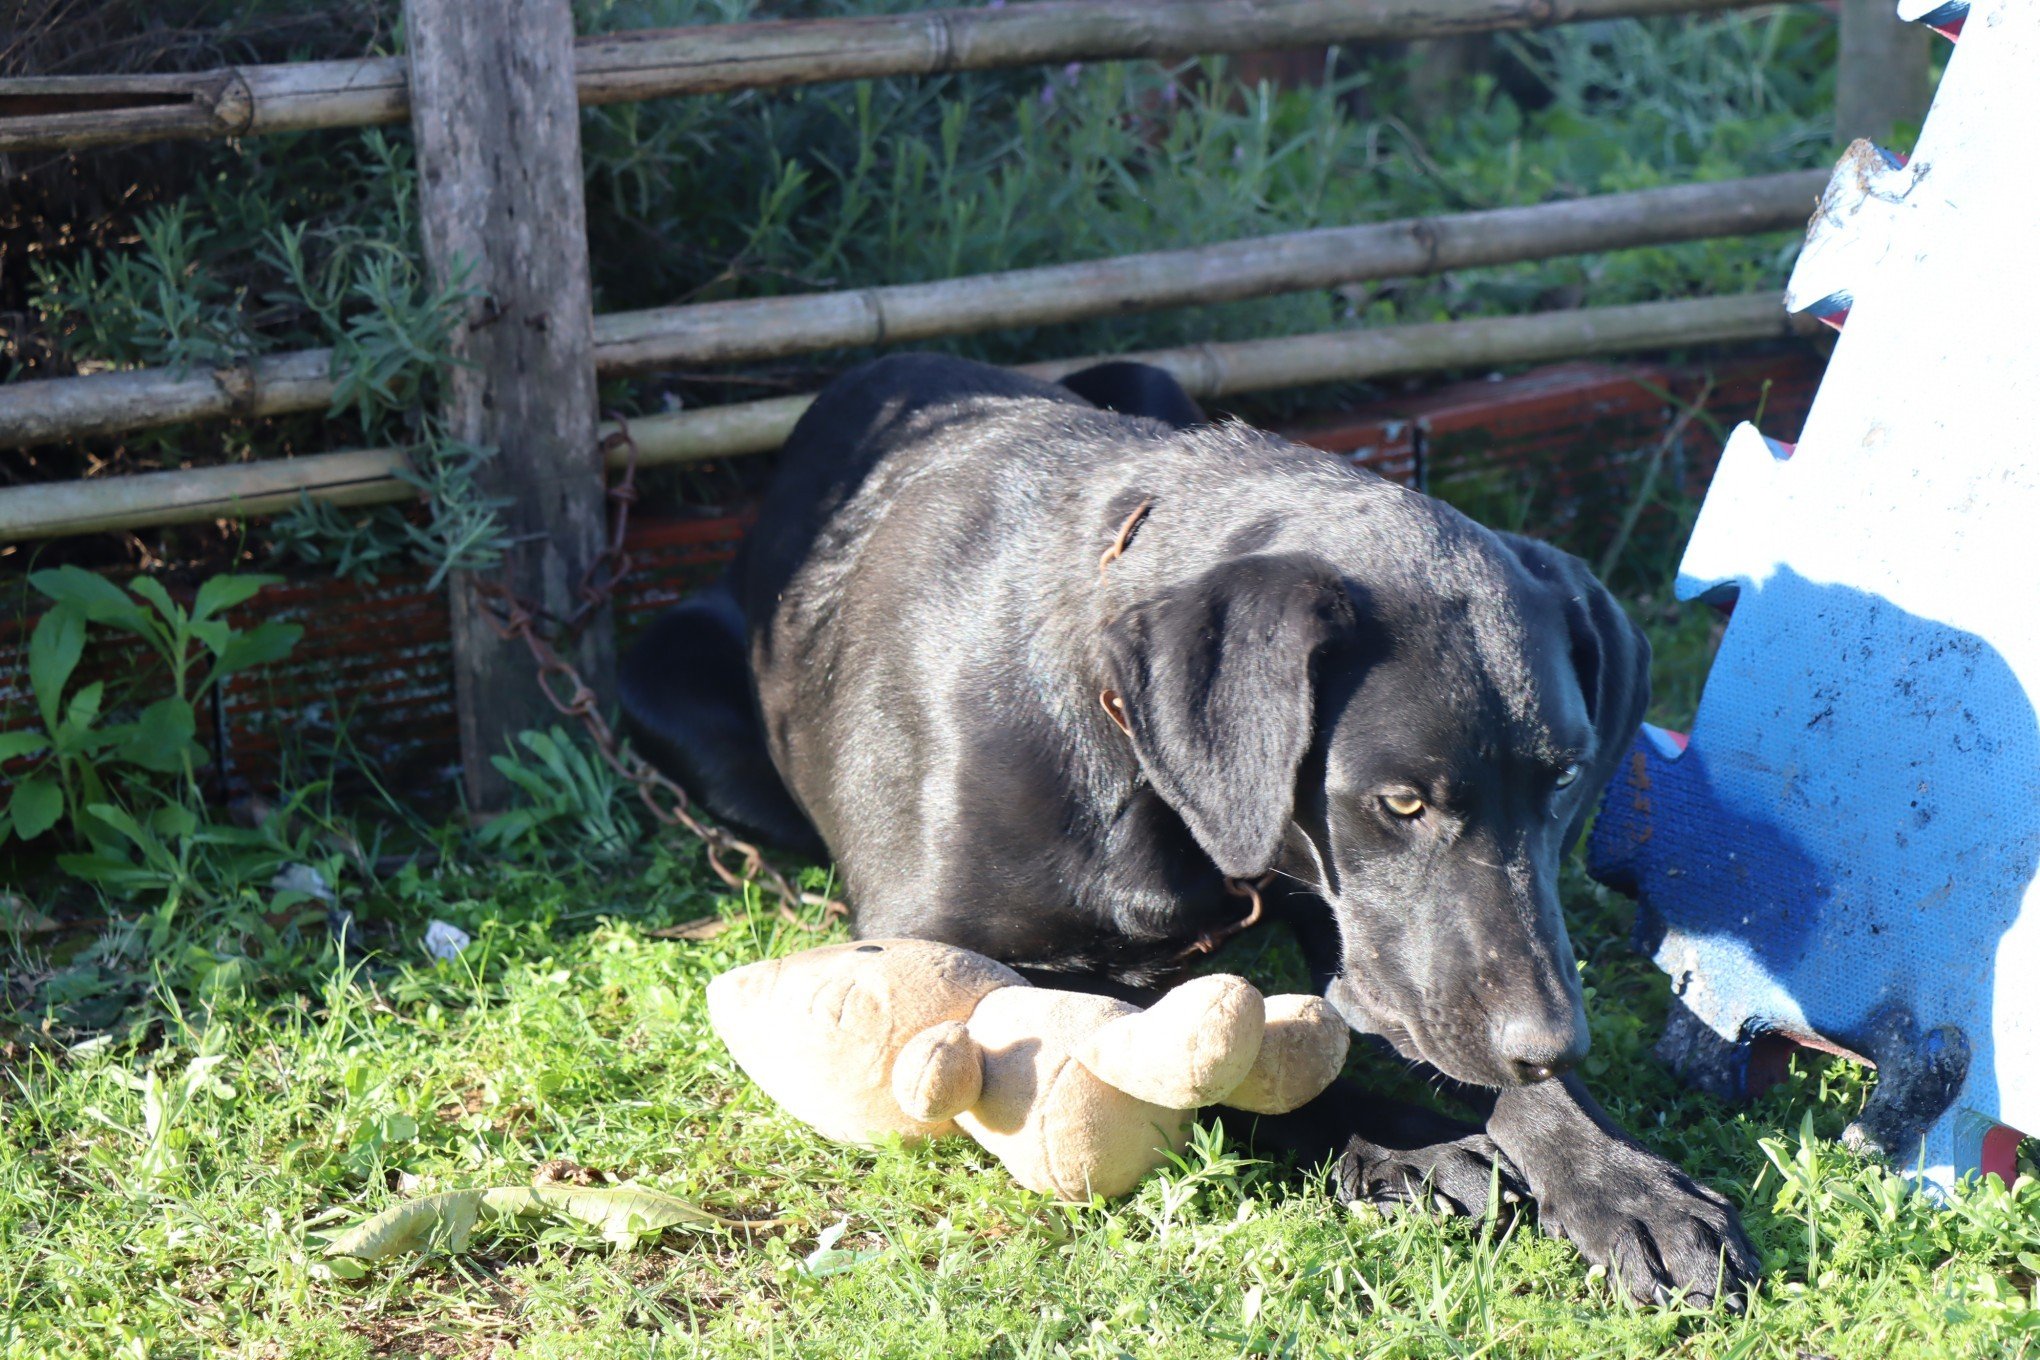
(512, 617)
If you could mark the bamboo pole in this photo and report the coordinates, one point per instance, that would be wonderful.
(369, 477)
(1223, 369)
(74, 112)
(52, 409)
(194, 495)
(730, 332)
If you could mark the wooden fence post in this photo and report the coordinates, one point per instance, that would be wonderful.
(498, 136)
(1880, 72)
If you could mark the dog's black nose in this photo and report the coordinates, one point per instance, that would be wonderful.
(1537, 1050)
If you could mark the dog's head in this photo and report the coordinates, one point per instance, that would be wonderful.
(1417, 741)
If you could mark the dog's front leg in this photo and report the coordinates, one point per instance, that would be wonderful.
(1656, 1230)
(1389, 1153)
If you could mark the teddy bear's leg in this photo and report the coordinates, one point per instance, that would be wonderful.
(1389, 1153)
(1187, 1050)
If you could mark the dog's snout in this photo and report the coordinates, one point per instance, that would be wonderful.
(1537, 1050)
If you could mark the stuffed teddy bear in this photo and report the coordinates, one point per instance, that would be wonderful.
(1078, 1095)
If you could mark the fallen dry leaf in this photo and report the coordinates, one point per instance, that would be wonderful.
(623, 1213)
(706, 928)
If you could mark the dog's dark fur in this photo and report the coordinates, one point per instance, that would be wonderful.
(904, 670)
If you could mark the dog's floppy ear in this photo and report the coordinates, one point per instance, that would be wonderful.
(1610, 657)
(1214, 683)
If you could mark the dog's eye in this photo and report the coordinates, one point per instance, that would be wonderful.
(1568, 774)
(1402, 804)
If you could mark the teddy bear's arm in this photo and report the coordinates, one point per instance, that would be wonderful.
(1303, 1046)
(939, 1074)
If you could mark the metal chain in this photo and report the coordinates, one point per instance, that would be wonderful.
(512, 617)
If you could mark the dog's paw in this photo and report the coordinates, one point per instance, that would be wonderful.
(1458, 1176)
(1663, 1237)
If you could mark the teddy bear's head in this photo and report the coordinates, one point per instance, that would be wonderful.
(819, 1030)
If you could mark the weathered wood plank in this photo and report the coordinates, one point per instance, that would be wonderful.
(1880, 72)
(498, 139)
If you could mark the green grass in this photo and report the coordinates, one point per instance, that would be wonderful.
(142, 1222)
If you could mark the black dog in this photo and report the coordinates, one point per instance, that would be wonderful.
(1050, 681)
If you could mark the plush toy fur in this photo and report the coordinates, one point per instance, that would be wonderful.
(1077, 1094)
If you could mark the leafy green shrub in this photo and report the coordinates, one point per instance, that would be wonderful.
(153, 305)
(899, 181)
(345, 276)
(153, 757)
(111, 774)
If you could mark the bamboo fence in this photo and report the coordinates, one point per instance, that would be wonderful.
(479, 73)
(729, 332)
(74, 112)
(374, 476)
